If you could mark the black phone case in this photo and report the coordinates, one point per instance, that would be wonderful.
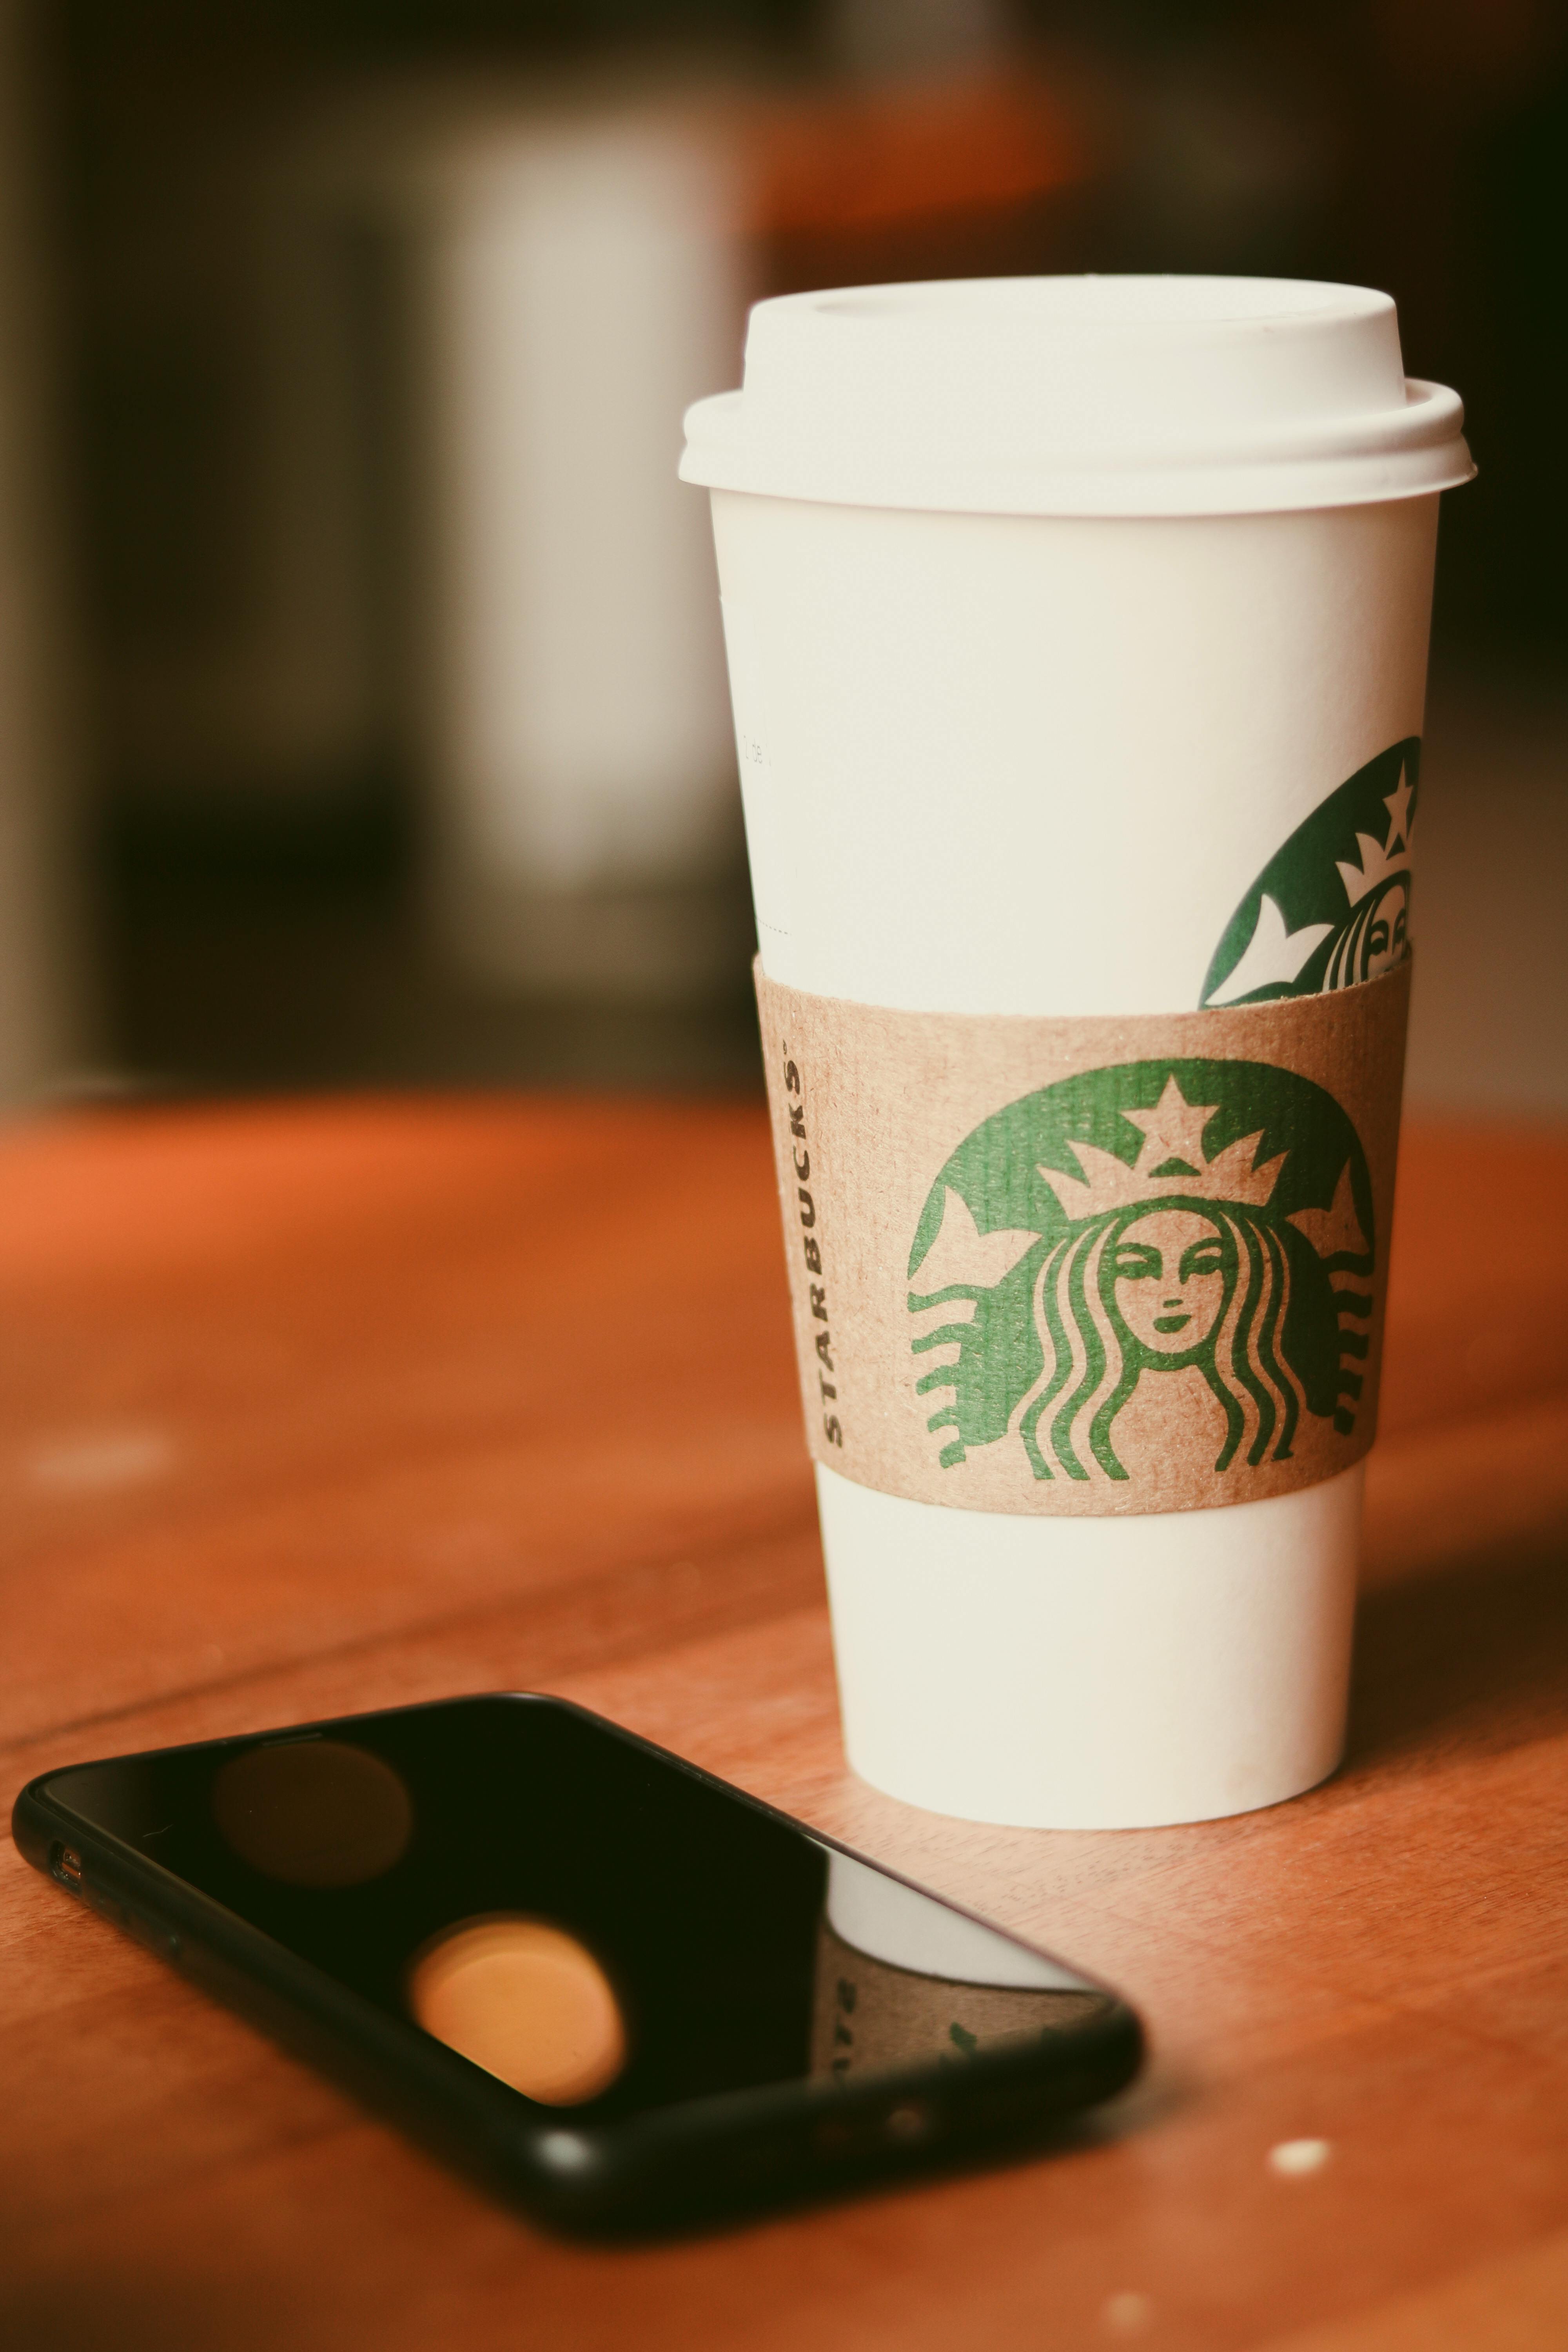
(700, 2160)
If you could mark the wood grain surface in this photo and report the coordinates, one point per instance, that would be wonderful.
(313, 1409)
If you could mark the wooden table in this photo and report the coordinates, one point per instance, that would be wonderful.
(320, 1408)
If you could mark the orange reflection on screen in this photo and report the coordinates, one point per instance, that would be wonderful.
(314, 1812)
(526, 2001)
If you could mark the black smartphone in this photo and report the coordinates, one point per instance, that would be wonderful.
(621, 1990)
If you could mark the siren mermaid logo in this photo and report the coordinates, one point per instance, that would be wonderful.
(1205, 1218)
(1332, 906)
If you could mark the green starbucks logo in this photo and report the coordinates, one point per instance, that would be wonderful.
(1332, 906)
(1152, 1218)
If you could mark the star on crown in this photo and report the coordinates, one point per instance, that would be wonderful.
(1172, 1160)
(1379, 859)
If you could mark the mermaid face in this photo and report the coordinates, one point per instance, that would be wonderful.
(1169, 1273)
(1385, 933)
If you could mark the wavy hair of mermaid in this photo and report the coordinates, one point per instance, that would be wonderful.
(1350, 956)
(1093, 1362)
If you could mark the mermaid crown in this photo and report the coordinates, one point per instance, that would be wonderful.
(1381, 859)
(1171, 1161)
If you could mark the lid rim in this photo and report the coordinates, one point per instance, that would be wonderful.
(1431, 417)
(1155, 494)
(981, 395)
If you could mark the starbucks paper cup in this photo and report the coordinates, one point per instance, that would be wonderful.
(1077, 639)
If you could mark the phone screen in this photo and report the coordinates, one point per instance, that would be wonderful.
(585, 1918)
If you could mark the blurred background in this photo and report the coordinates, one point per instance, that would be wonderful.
(363, 717)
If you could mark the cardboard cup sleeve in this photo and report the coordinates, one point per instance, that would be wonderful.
(1087, 1266)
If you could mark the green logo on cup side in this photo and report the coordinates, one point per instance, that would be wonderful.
(1332, 906)
(1135, 1222)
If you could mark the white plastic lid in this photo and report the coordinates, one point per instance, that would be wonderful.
(1080, 397)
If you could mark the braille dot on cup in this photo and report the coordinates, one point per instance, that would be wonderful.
(1293, 2158)
(1126, 2314)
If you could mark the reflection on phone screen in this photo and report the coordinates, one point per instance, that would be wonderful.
(593, 1923)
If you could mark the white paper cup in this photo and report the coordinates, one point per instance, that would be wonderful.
(1054, 607)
